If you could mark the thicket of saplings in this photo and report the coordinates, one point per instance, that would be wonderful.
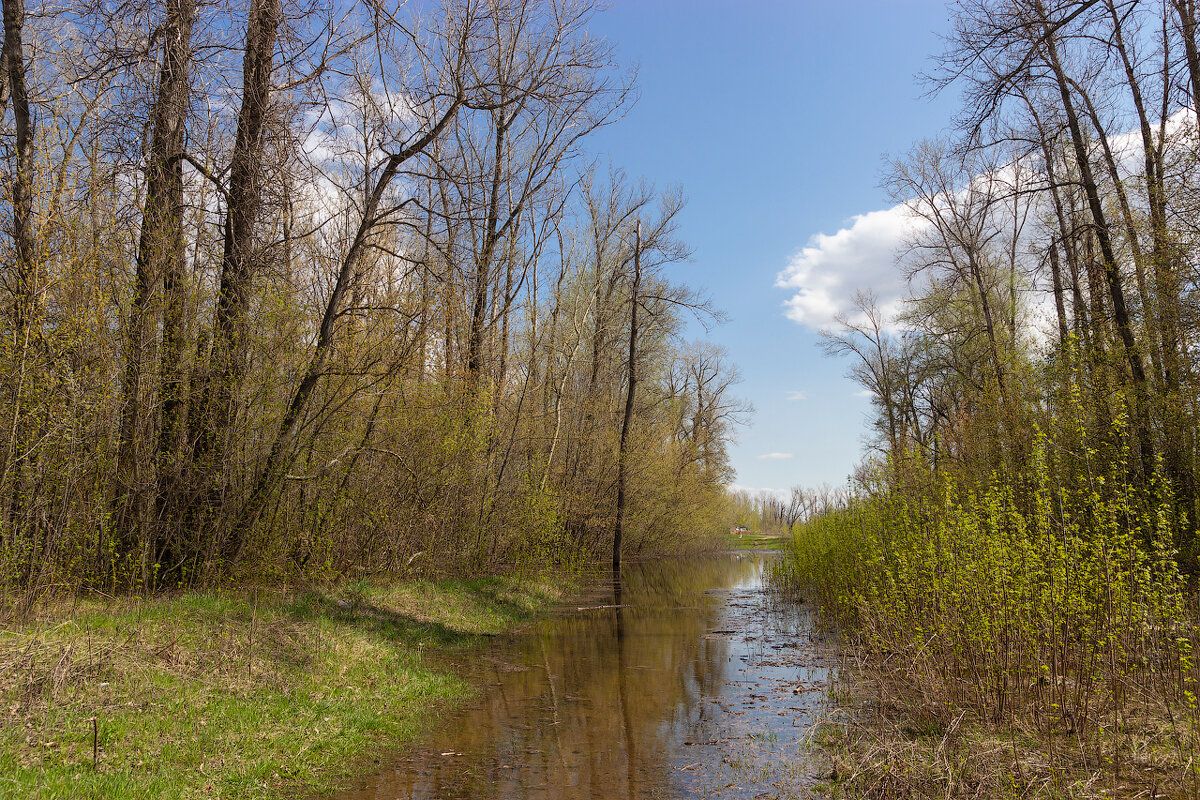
(305, 292)
(1025, 546)
(1050, 600)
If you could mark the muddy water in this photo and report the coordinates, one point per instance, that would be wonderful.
(695, 685)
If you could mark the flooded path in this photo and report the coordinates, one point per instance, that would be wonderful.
(695, 685)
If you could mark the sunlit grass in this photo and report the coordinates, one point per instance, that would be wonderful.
(757, 541)
(233, 695)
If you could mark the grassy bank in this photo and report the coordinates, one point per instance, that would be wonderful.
(1018, 639)
(233, 695)
(757, 541)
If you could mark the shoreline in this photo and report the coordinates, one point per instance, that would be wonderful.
(247, 694)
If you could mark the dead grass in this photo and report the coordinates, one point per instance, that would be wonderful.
(890, 736)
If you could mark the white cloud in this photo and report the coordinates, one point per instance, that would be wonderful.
(864, 393)
(797, 395)
(775, 456)
(827, 272)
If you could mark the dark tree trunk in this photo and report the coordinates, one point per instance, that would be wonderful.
(22, 181)
(1056, 274)
(483, 261)
(160, 257)
(1112, 273)
(1186, 11)
(24, 313)
(623, 447)
(176, 61)
(230, 328)
(1176, 426)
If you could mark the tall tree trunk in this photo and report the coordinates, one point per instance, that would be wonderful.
(1112, 271)
(1064, 216)
(24, 267)
(22, 181)
(1172, 412)
(483, 261)
(1056, 275)
(230, 328)
(161, 256)
(623, 447)
(1186, 11)
(1131, 229)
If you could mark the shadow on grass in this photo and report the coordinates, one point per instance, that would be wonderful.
(382, 623)
(357, 611)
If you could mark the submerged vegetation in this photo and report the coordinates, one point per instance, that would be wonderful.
(1015, 569)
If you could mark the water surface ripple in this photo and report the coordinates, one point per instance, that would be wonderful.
(690, 682)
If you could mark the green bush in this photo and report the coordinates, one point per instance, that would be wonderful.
(1058, 601)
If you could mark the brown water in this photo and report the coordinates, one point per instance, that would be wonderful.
(698, 685)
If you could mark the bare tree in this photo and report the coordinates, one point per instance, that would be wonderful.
(630, 394)
(215, 410)
(160, 265)
(23, 276)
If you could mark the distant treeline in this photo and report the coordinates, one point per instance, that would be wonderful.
(777, 511)
(304, 290)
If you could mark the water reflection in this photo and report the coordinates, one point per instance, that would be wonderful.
(667, 685)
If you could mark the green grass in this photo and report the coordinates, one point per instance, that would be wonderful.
(757, 541)
(234, 695)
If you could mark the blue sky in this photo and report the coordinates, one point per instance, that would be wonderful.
(774, 117)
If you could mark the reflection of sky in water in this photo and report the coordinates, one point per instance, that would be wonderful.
(698, 687)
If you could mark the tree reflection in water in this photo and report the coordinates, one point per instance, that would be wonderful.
(642, 697)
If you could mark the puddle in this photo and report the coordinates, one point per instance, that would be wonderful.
(690, 683)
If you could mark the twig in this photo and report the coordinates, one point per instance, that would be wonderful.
(250, 653)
